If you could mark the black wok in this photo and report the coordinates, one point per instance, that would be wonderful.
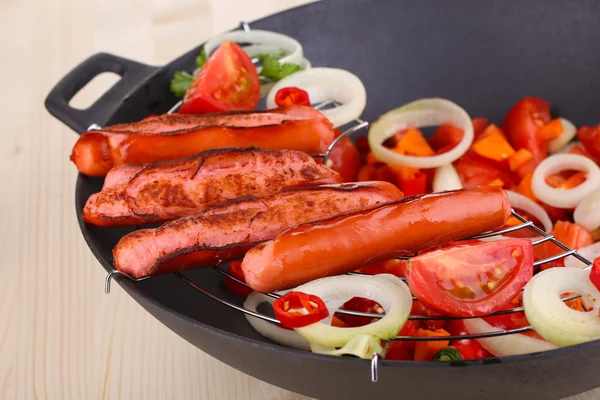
(485, 56)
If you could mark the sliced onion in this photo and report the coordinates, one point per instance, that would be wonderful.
(564, 198)
(446, 178)
(569, 132)
(362, 346)
(506, 345)
(517, 200)
(389, 291)
(590, 252)
(587, 213)
(269, 330)
(328, 84)
(420, 113)
(568, 147)
(290, 46)
(551, 317)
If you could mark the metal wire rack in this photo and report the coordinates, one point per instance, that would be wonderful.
(355, 127)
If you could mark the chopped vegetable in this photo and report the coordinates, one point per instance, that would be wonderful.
(362, 346)
(297, 309)
(479, 125)
(519, 159)
(587, 213)
(595, 273)
(426, 350)
(201, 59)
(273, 70)
(413, 186)
(446, 137)
(590, 138)
(235, 269)
(551, 130)
(413, 143)
(181, 82)
(291, 96)
(448, 354)
(568, 133)
(345, 159)
(469, 349)
(493, 145)
(572, 235)
(362, 305)
(471, 280)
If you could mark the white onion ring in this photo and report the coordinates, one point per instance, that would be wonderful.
(271, 331)
(590, 252)
(362, 346)
(564, 198)
(506, 345)
(569, 132)
(327, 84)
(389, 291)
(587, 213)
(568, 147)
(420, 113)
(291, 46)
(446, 178)
(517, 200)
(551, 317)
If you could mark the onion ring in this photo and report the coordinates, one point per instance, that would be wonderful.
(569, 132)
(517, 200)
(564, 198)
(587, 212)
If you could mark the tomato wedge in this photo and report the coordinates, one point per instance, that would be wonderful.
(472, 280)
(227, 82)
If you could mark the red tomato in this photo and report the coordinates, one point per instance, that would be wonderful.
(403, 349)
(479, 125)
(363, 305)
(345, 159)
(386, 174)
(595, 273)
(228, 81)
(419, 309)
(292, 96)
(512, 321)
(367, 173)
(413, 186)
(522, 123)
(590, 138)
(473, 172)
(235, 269)
(570, 234)
(446, 137)
(470, 349)
(472, 280)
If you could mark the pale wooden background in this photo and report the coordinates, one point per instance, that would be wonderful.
(60, 336)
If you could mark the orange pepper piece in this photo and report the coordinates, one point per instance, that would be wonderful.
(575, 180)
(524, 187)
(424, 351)
(493, 144)
(551, 130)
(371, 159)
(519, 159)
(413, 143)
(497, 182)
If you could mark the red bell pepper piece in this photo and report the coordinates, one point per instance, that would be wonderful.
(362, 305)
(291, 96)
(590, 138)
(595, 273)
(413, 186)
(470, 349)
(297, 309)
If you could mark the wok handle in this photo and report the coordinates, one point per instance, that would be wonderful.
(132, 75)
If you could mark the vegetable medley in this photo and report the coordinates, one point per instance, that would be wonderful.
(551, 180)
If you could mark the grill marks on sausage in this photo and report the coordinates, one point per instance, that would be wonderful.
(229, 230)
(168, 190)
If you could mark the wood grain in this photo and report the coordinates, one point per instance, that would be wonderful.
(60, 336)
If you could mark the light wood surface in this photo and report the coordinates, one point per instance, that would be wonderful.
(60, 336)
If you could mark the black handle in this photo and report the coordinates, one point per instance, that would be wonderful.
(132, 75)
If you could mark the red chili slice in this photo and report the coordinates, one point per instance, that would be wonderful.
(297, 309)
(292, 96)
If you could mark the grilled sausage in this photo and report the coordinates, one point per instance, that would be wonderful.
(227, 231)
(346, 243)
(173, 136)
(135, 193)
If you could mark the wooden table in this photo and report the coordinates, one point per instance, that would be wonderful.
(60, 336)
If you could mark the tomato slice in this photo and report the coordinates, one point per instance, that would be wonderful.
(570, 234)
(522, 124)
(472, 280)
(297, 309)
(228, 81)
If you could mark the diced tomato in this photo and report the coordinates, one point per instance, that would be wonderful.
(367, 173)
(570, 234)
(590, 138)
(291, 96)
(297, 309)
(471, 280)
(445, 137)
(522, 124)
(228, 81)
(425, 350)
(386, 174)
(398, 352)
(362, 144)
(419, 309)
(479, 125)
(235, 270)
(345, 159)
(595, 273)
(580, 150)
(512, 321)
(413, 186)
(473, 172)
(470, 349)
